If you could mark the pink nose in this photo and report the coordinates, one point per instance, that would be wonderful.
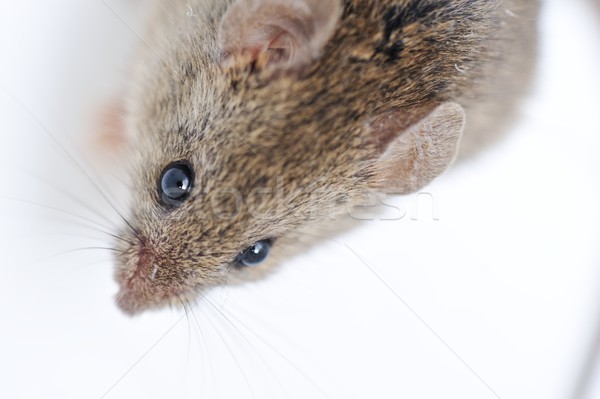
(136, 279)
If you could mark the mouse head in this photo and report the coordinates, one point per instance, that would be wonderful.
(251, 137)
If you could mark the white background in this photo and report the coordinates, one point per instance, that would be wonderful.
(499, 298)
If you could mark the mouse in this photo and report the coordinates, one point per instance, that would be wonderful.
(249, 121)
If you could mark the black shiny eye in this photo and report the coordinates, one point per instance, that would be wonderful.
(175, 183)
(256, 254)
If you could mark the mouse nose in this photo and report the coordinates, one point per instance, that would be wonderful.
(136, 278)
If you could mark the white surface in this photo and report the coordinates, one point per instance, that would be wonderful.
(497, 298)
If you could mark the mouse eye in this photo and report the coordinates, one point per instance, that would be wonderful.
(176, 183)
(256, 254)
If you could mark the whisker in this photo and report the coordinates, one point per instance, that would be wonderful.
(281, 355)
(135, 232)
(71, 251)
(239, 366)
(134, 365)
(100, 249)
(93, 228)
(183, 304)
(56, 234)
(73, 160)
(96, 262)
(158, 58)
(261, 357)
(70, 196)
(53, 208)
(117, 237)
(204, 347)
(63, 253)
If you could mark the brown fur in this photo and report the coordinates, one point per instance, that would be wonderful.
(303, 133)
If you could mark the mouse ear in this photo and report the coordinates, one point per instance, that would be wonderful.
(411, 157)
(286, 33)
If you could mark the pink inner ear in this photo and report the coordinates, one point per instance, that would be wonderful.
(281, 48)
(271, 40)
(387, 126)
(287, 33)
(280, 38)
(274, 42)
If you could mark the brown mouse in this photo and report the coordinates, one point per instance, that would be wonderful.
(251, 119)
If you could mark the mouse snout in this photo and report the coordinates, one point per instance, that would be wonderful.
(137, 281)
(154, 273)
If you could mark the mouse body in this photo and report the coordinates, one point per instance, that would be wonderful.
(250, 119)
